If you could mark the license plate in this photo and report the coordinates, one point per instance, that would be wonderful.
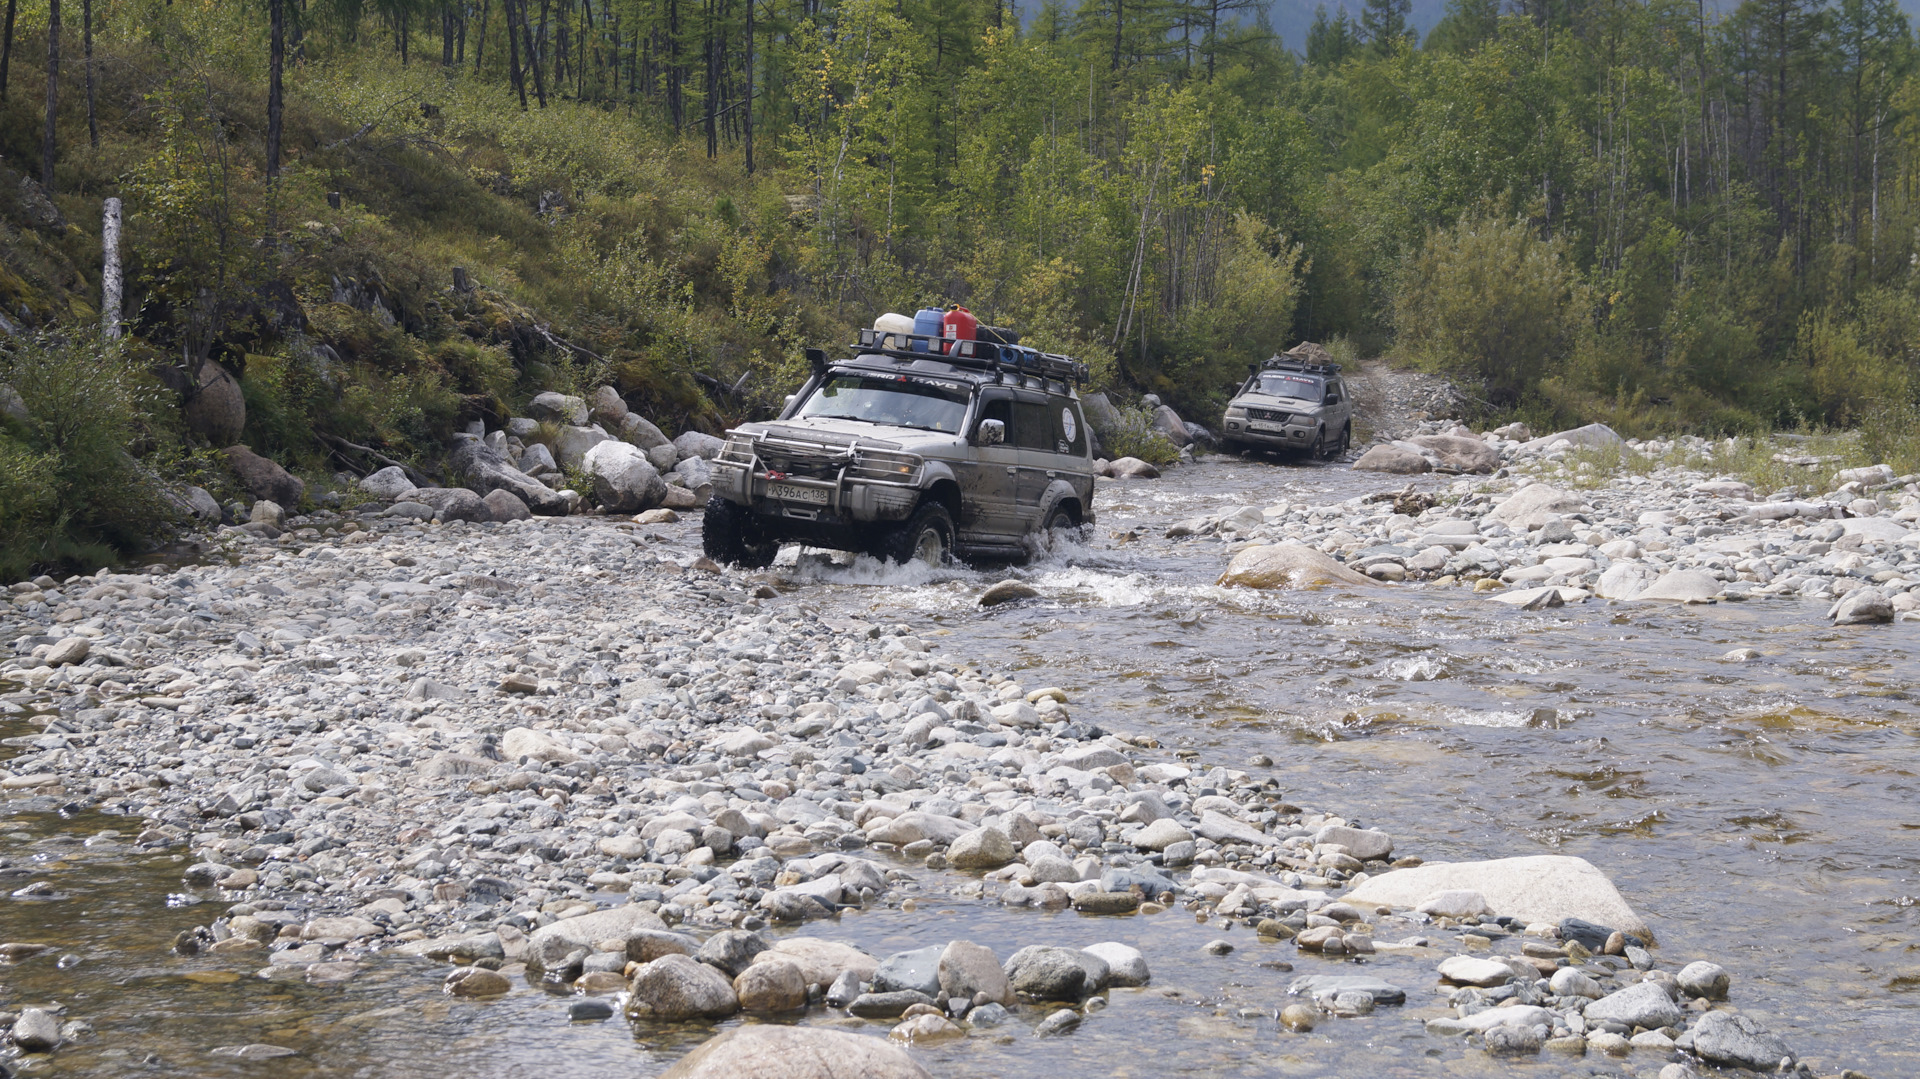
(787, 492)
(1276, 428)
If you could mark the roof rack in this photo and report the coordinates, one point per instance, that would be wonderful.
(1284, 363)
(978, 355)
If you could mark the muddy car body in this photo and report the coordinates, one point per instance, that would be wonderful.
(1290, 406)
(906, 453)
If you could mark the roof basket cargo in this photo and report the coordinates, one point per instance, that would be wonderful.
(1288, 363)
(978, 355)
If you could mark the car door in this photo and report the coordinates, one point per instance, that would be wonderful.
(989, 477)
(1035, 437)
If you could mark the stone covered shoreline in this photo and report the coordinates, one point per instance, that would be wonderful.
(568, 750)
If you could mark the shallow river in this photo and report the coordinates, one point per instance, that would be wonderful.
(1762, 814)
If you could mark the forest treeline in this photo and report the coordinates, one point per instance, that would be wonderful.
(1647, 212)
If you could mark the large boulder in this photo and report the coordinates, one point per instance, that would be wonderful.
(1877, 529)
(1737, 1040)
(570, 446)
(1593, 436)
(1860, 607)
(636, 429)
(1530, 506)
(196, 502)
(699, 444)
(483, 469)
(771, 1051)
(1625, 580)
(262, 478)
(388, 484)
(983, 848)
(695, 474)
(623, 481)
(1457, 451)
(558, 408)
(771, 987)
(1099, 411)
(918, 970)
(605, 407)
(1288, 566)
(1133, 468)
(675, 987)
(452, 503)
(12, 406)
(1683, 586)
(215, 409)
(1392, 459)
(820, 961)
(1538, 888)
(966, 968)
(506, 506)
(549, 945)
(914, 825)
(1168, 422)
(1643, 1004)
(1046, 973)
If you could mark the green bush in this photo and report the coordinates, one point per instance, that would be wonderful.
(1488, 299)
(72, 495)
(1133, 435)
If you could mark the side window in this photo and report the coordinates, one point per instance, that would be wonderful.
(997, 408)
(1033, 426)
(1069, 427)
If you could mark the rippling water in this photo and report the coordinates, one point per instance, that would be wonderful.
(1761, 813)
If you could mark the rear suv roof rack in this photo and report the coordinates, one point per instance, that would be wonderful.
(1281, 363)
(976, 355)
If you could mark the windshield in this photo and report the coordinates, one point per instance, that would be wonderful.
(897, 402)
(1298, 387)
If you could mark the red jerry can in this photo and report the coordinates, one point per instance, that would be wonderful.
(959, 325)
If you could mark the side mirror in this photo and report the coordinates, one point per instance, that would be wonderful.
(1333, 399)
(791, 398)
(991, 432)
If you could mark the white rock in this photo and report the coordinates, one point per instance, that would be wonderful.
(525, 742)
(389, 483)
(1537, 888)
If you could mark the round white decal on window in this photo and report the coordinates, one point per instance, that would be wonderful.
(1066, 423)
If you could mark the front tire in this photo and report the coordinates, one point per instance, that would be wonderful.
(729, 536)
(927, 537)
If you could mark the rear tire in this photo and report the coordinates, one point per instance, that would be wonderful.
(1061, 526)
(926, 537)
(729, 536)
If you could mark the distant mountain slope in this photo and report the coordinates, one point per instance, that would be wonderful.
(1292, 17)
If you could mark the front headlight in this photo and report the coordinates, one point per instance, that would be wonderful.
(1236, 413)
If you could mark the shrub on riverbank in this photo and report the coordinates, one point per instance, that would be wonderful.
(73, 494)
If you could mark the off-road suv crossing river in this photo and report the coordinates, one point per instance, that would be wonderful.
(915, 448)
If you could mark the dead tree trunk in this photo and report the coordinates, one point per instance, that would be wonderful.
(110, 287)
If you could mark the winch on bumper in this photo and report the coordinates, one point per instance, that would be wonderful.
(807, 483)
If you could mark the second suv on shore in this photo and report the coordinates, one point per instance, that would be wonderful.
(1290, 405)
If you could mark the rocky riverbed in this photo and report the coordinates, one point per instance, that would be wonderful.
(564, 755)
